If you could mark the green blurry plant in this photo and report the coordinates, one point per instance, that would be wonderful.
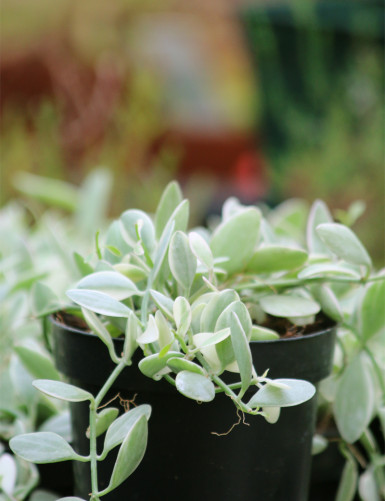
(192, 302)
(32, 258)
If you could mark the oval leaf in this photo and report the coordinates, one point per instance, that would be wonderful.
(195, 386)
(62, 391)
(119, 429)
(344, 243)
(327, 269)
(348, 483)
(99, 303)
(319, 213)
(242, 352)
(183, 263)
(130, 453)
(287, 393)
(112, 283)
(170, 199)
(182, 315)
(236, 239)
(37, 364)
(372, 311)
(355, 400)
(271, 258)
(259, 333)
(152, 365)
(201, 249)
(281, 305)
(181, 364)
(43, 447)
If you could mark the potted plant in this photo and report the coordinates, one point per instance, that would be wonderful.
(192, 310)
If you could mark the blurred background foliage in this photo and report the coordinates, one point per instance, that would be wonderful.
(261, 100)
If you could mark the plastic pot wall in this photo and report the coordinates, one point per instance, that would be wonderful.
(184, 459)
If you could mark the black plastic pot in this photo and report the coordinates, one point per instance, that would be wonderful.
(184, 459)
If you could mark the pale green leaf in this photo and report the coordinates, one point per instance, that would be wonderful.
(44, 300)
(195, 386)
(43, 447)
(286, 393)
(205, 339)
(241, 351)
(152, 365)
(236, 239)
(355, 400)
(62, 391)
(164, 303)
(100, 330)
(201, 249)
(166, 337)
(38, 365)
(151, 334)
(182, 315)
(283, 305)
(344, 243)
(372, 311)
(328, 301)
(98, 302)
(105, 418)
(271, 414)
(328, 269)
(171, 198)
(112, 283)
(367, 486)
(122, 426)
(348, 482)
(181, 364)
(319, 444)
(132, 219)
(271, 258)
(182, 262)
(259, 333)
(130, 337)
(319, 213)
(130, 453)
(131, 271)
(218, 302)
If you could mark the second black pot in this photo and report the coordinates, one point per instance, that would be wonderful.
(257, 461)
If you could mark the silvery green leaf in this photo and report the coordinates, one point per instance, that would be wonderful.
(236, 239)
(218, 301)
(181, 364)
(195, 386)
(271, 258)
(344, 243)
(71, 498)
(196, 315)
(171, 198)
(152, 365)
(130, 220)
(161, 252)
(319, 213)
(183, 263)
(182, 315)
(283, 305)
(112, 283)
(166, 337)
(287, 393)
(242, 352)
(201, 249)
(130, 453)
(105, 418)
(130, 337)
(62, 391)
(355, 400)
(81, 264)
(319, 444)
(328, 269)
(348, 482)
(44, 300)
(42, 495)
(225, 349)
(59, 423)
(36, 363)
(271, 414)
(131, 271)
(121, 427)
(43, 447)
(8, 473)
(205, 339)
(99, 302)
(371, 315)
(259, 333)
(151, 334)
(100, 330)
(164, 303)
(367, 486)
(328, 301)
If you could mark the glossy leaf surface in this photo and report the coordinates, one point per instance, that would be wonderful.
(292, 392)
(195, 386)
(43, 447)
(62, 391)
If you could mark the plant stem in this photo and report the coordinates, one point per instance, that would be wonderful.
(113, 376)
(93, 452)
(296, 282)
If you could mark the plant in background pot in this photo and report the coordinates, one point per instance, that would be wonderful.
(237, 318)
